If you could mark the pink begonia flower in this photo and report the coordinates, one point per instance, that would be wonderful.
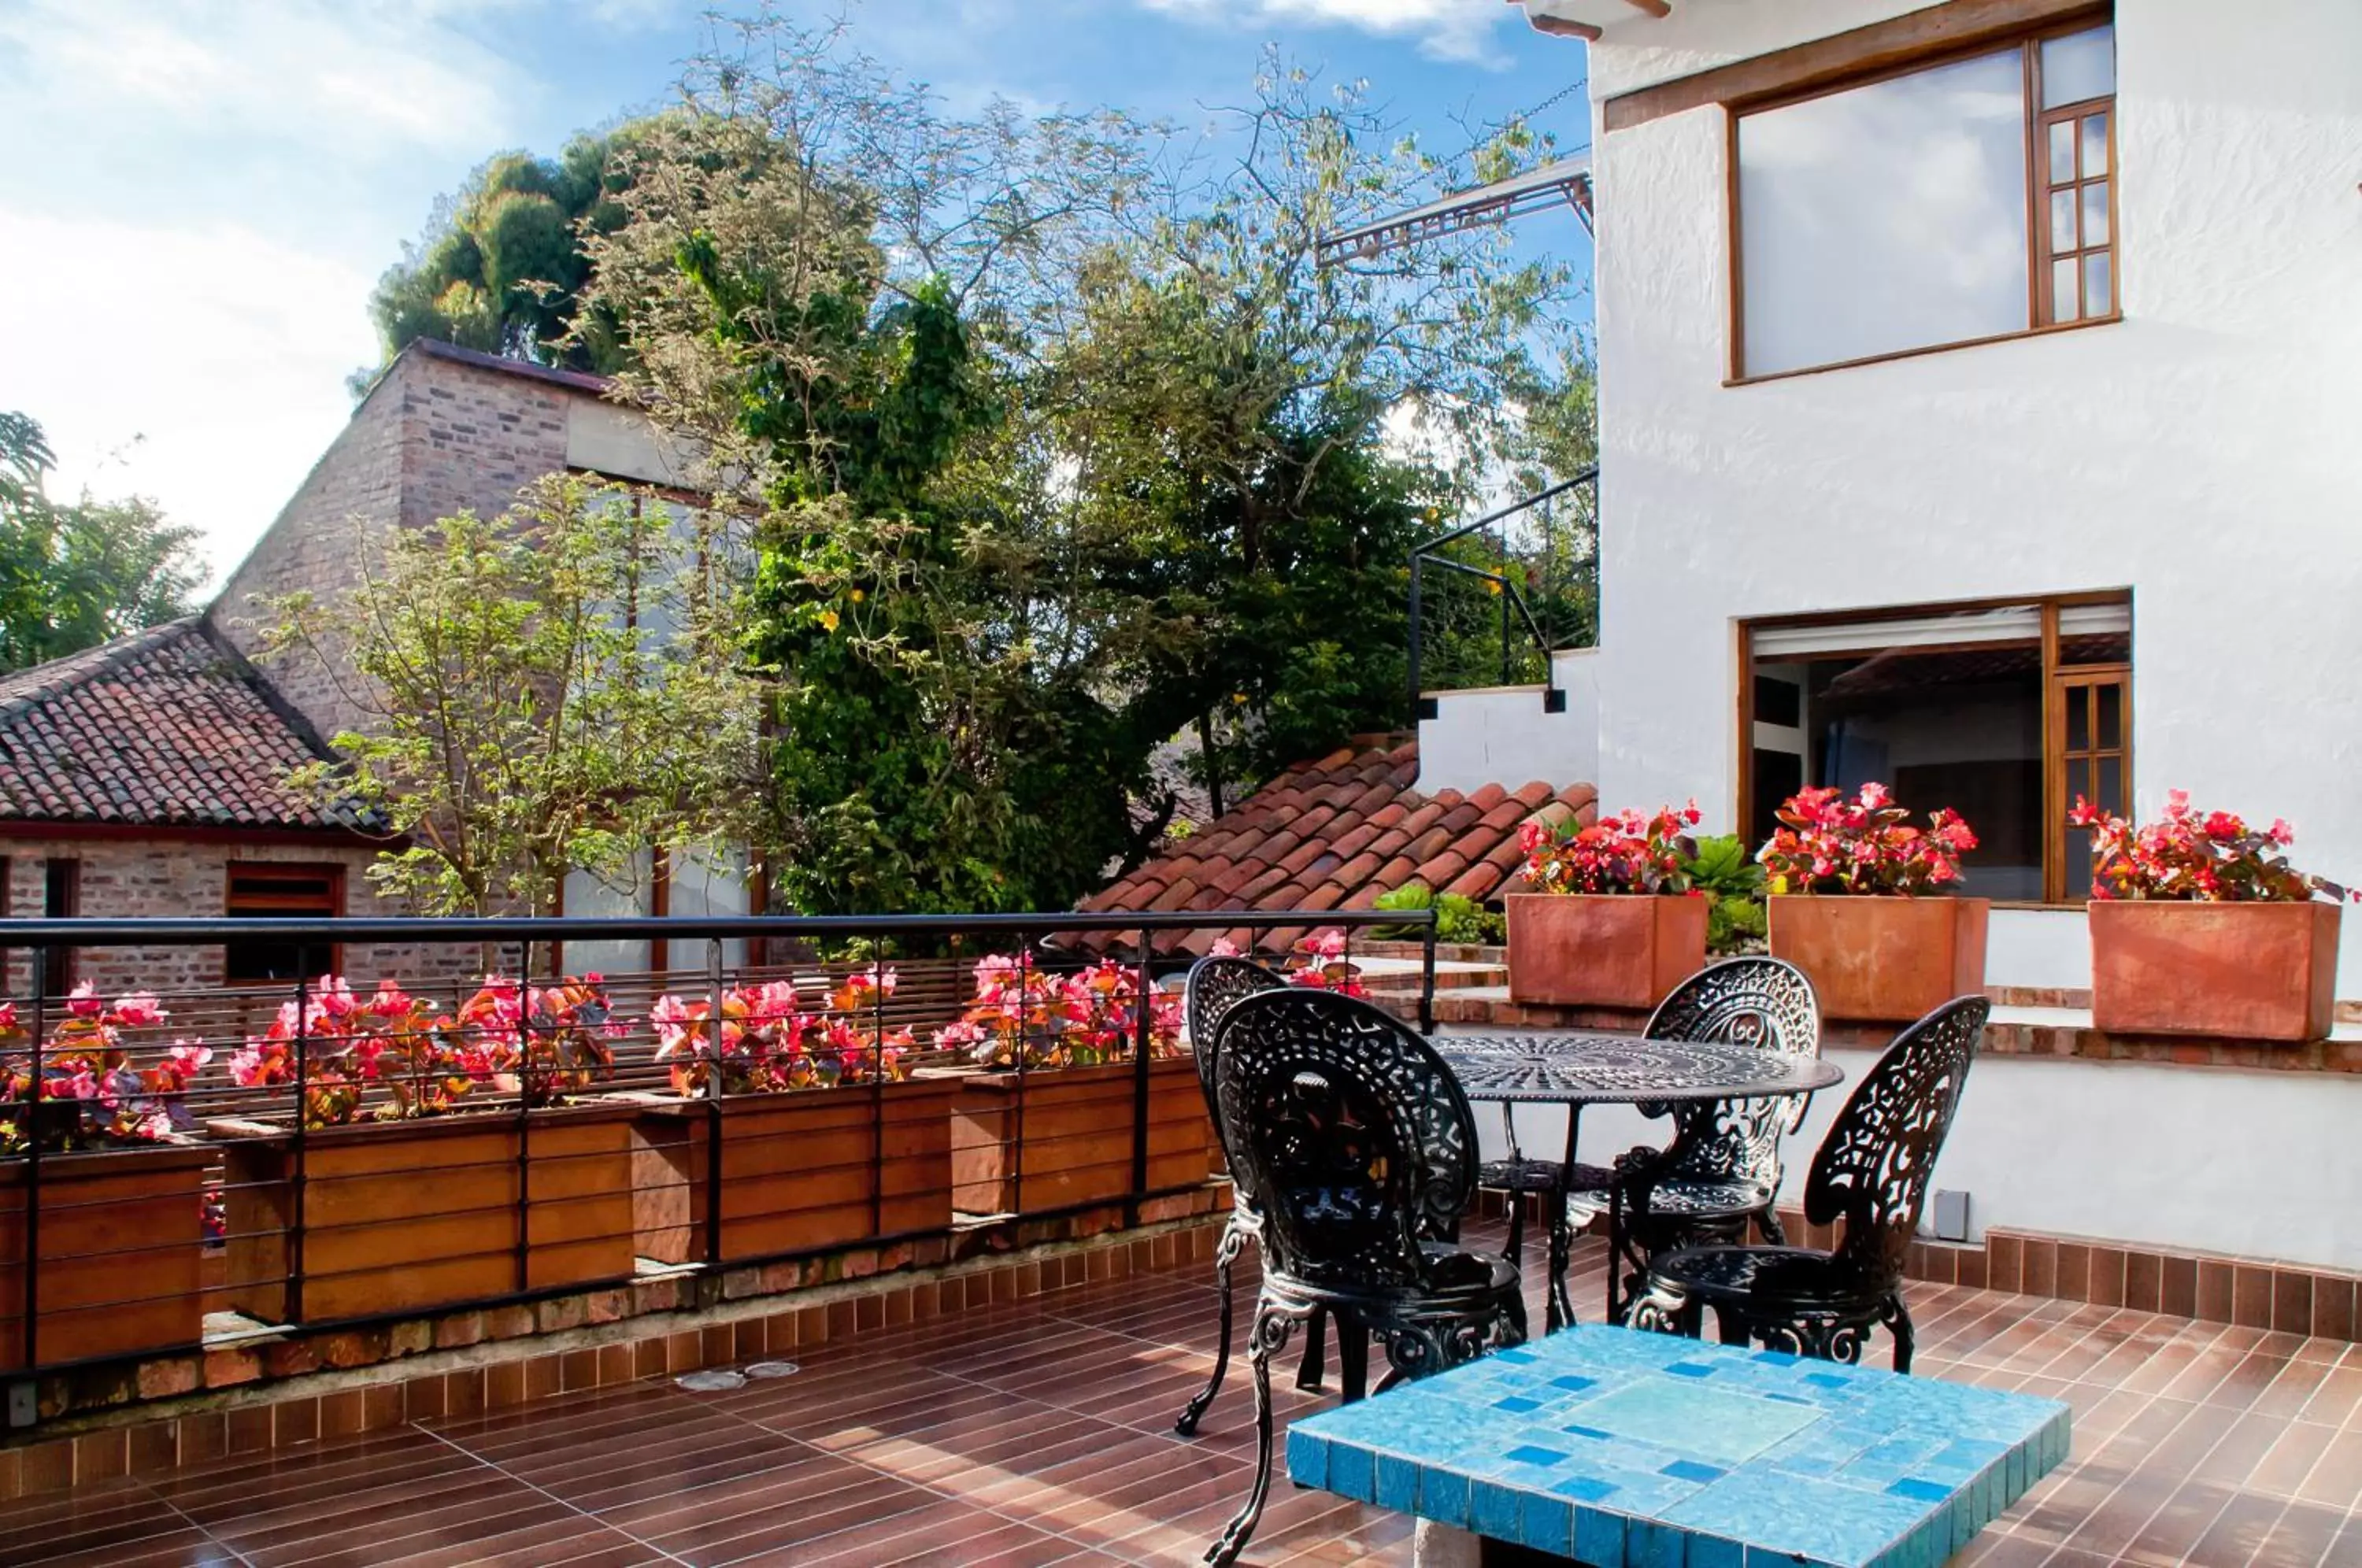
(84, 1002)
(1223, 947)
(139, 1010)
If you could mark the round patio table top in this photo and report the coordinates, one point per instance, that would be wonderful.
(1582, 1067)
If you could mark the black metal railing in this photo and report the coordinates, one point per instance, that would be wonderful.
(1521, 628)
(289, 1185)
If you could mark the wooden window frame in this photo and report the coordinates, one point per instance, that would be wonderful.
(2056, 679)
(287, 870)
(2028, 42)
(758, 893)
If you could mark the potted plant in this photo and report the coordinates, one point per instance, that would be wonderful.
(1607, 919)
(121, 1184)
(1867, 905)
(826, 1139)
(2200, 926)
(1049, 1123)
(422, 1133)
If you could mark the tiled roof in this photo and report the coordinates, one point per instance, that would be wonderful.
(1336, 834)
(164, 728)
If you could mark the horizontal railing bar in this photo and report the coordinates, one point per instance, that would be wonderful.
(460, 929)
(1432, 545)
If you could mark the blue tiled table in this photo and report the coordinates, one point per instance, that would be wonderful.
(1620, 1448)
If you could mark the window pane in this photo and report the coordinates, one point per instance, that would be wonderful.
(1888, 217)
(2095, 145)
(702, 885)
(2078, 718)
(2078, 66)
(2111, 716)
(2062, 288)
(2062, 221)
(2079, 865)
(2062, 153)
(2079, 779)
(627, 894)
(2111, 783)
(2097, 300)
(2095, 213)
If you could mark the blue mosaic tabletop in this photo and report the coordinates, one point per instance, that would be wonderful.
(1620, 1448)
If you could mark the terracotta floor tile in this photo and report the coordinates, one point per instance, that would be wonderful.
(1025, 1434)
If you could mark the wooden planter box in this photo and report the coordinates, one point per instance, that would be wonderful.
(800, 1171)
(2231, 971)
(1882, 960)
(1602, 949)
(1064, 1136)
(122, 1248)
(402, 1216)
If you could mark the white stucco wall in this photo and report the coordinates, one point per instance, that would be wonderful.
(1499, 734)
(2120, 1151)
(2203, 452)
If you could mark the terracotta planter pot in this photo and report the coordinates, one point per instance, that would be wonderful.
(401, 1216)
(1601, 949)
(1882, 960)
(799, 1171)
(122, 1250)
(2233, 971)
(1064, 1136)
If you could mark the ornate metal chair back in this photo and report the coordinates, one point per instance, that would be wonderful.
(1214, 984)
(1761, 1002)
(1352, 1139)
(1874, 1167)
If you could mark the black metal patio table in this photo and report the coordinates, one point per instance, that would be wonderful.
(1575, 1068)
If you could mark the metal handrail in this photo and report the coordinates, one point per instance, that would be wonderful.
(1512, 598)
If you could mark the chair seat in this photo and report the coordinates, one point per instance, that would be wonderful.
(1530, 1174)
(1761, 1276)
(1686, 1199)
(1458, 1280)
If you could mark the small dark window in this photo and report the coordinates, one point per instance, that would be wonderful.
(285, 892)
(1778, 701)
(60, 900)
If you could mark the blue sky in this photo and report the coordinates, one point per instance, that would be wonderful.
(199, 194)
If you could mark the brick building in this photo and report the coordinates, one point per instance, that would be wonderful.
(144, 777)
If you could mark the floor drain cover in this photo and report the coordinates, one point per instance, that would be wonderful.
(711, 1382)
(772, 1369)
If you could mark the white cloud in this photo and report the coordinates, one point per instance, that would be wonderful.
(1446, 29)
(200, 366)
(336, 75)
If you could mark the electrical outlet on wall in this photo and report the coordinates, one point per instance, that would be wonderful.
(1951, 1216)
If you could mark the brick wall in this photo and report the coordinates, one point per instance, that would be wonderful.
(434, 437)
(188, 879)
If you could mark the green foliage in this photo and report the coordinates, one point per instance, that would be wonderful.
(551, 688)
(1061, 444)
(502, 266)
(1458, 919)
(75, 574)
(1725, 871)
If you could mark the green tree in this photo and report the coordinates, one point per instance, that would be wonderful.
(501, 266)
(75, 574)
(551, 688)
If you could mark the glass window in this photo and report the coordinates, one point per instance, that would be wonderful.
(1894, 216)
(2079, 67)
(628, 892)
(1887, 217)
(706, 883)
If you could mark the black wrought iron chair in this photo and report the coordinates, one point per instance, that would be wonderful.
(1355, 1147)
(1719, 1175)
(1870, 1175)
(1214, 985)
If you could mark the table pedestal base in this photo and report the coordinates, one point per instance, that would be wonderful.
(1441, 1546)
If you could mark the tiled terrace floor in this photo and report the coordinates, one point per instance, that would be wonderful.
(1039, 1432)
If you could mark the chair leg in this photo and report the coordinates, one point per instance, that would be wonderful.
(1774, 1231)
(1315, 1369)
(1352, 1357)
(1267, 1337)
(1225, 1254)
(1898, 1323)
(1515, 1251)
(1731, 1326)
